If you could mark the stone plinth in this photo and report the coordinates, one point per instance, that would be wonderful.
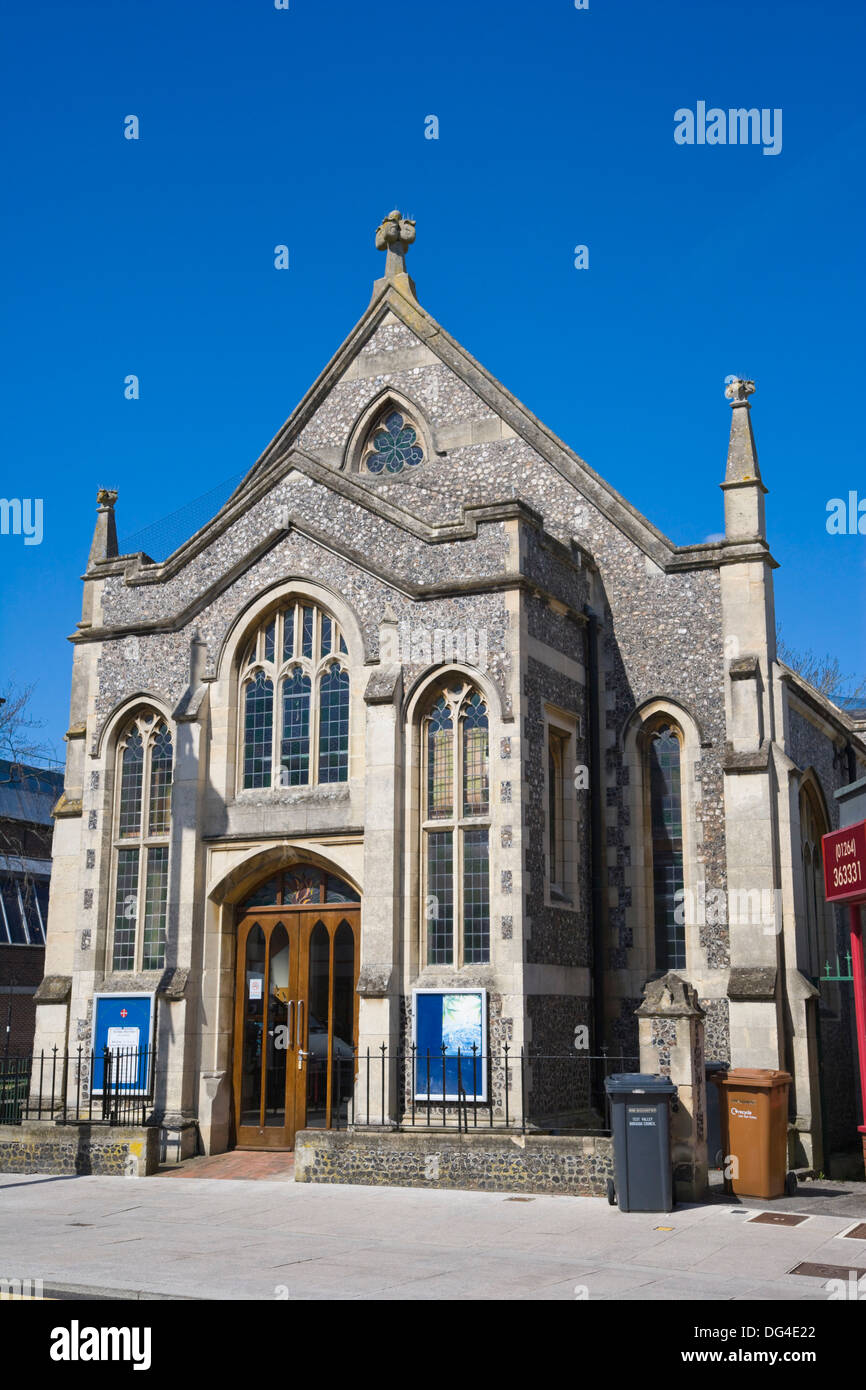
(671, 1034)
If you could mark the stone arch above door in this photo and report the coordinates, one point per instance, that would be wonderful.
(257, 865)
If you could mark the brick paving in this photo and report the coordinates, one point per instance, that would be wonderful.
(244, 1164)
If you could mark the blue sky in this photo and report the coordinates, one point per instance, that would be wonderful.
(261, 126)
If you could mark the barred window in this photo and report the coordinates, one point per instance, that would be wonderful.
(455, 828)
(303, 738)
(145, 763)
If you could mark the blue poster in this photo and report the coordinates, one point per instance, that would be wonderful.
(451, 1055)
(123, 1023)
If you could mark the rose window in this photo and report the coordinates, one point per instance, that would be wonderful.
(394, 447)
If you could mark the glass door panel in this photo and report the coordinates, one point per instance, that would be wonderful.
(317, 1033)
(266, 1039)
(278, 1039)
(253, 1006)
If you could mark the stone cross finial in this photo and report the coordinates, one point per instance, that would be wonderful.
(106, 497)
(395, 235)
(739, 390)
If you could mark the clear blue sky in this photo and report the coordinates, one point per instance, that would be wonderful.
(261, 126)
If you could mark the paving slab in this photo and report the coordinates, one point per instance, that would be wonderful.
(237, 1238)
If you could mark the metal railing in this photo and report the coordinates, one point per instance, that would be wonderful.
(113, 1087)
(509, 1088)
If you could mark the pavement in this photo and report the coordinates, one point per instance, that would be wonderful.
(192, 1237)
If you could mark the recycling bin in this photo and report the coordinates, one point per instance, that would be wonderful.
(754, 1112)
(640, 1106)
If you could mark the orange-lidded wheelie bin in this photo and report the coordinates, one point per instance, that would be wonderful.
(754, 1112)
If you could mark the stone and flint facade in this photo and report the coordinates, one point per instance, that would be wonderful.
(471, 550)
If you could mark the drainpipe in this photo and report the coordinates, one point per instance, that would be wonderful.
(596, 828)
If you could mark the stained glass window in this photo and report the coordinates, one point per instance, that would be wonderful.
(476, 792)
(159, 812)
(307, 633)
(143, 815)
(303, 884)
(457, 885)
(131, 785)
(394, 446)
(258, 731)
(476, 897)
(295, 745)
(155, 901)
(289, 633)
(306, 740)
(440, 898)
(340, 892)
(125, 909)
(440, 761)
(667, 842)
(300, 886)
(334, 725)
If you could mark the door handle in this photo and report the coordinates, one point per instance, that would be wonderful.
(300, 1032)
(302, 1057)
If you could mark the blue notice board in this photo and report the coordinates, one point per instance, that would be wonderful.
(455, 1019)
(123, 1023)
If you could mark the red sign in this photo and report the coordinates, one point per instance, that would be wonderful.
(845, 864)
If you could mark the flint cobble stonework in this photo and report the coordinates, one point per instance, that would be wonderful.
(576, 1166)
(77, 1150)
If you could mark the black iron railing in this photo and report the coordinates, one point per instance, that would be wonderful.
(105, 1087)
(509, 1088)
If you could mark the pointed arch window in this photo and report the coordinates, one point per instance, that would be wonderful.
(295, 691)
(394, 444)
(455, 827)
(664, 758)
(142, 826)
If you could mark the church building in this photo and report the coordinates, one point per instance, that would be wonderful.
(428, 712)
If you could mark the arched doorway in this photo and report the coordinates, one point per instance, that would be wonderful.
(296, 1006)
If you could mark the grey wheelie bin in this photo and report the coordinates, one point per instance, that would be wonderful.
(640, 1106)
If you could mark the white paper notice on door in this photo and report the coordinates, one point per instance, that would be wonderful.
(126, 1042)
(256, 986)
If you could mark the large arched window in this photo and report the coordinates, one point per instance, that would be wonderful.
(663, 760)
(294, 701)
(142, 823)
(455, 820)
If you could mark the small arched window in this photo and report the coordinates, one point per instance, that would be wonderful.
(455, 826)
(142, 824)
(294, 701)
(663, 760)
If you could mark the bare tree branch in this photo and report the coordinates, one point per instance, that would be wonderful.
(824, 673)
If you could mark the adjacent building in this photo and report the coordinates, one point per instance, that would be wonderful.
(27, 795)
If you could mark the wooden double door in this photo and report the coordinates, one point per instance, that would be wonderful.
(296, 1011)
